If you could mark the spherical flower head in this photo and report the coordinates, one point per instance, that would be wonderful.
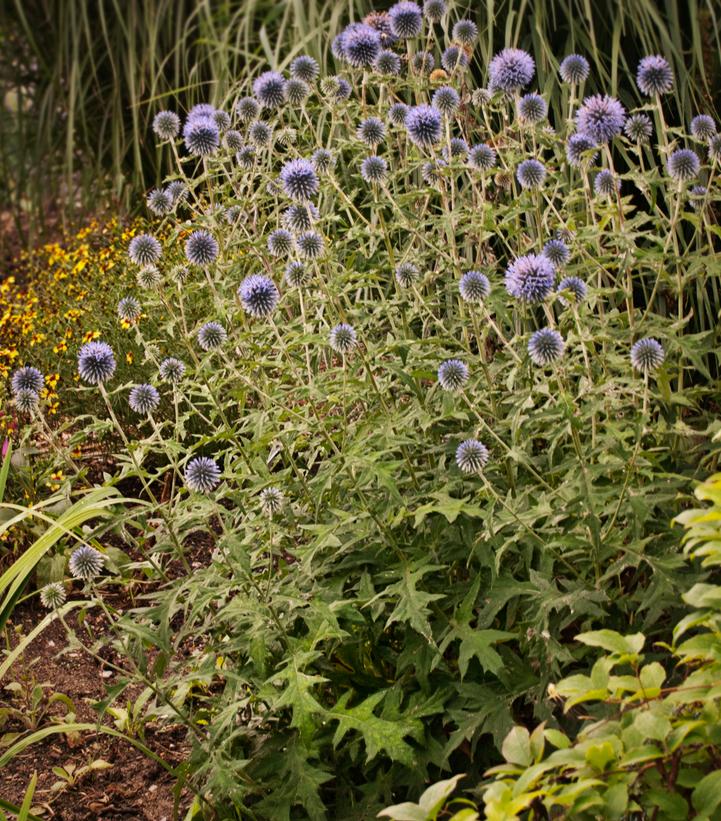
(532, 108)
(149, 277)
(144, 249)
(129, 309)
(474, 286)
(374, 169)
(434, 10)
(458, 149)
(26, 401)
(454, 58)
(530, 278)
(697, 197)
(423, 62)
(201, 248)
(144, 399)
(601, 117)
(211, 335)
(654, 76)
(53, 595)
(296, 274)
(180, 274)
(531, 174)
(605, 184)
(246, 156)
(337, 48)
(472, 456)
(344, 89)
(556, 252)
(371, 131)
(575, 286)
(304, 68)
(511, 70)
(280, 242)
(581, 149)
(703, 127)
(638, 128)
(683, 165)
(299, 217)
(247, 109)
(299, 180)
(481, 157)
(397, 113)
(647, 354)
(271, 500)
(545, 346)
(201, 110)
(27, 378)
(343, 338)
(260, 133)
(406, 274)
(296, 91)
(309, 244)
(222, 119)
(574, 69)
(481, 97)
(172, 370)
(233, 140)
(388, 62)
(323, 161)
(269, 89)
(361, 45)
(202, 136)
(432, 171)
(86, 563)
(465, 32)
(202, 474)
(406, 19)
(166, 125)
(258, 295)
(714, 148)
(177, 190)
(381, 22)
(96, 363)
(446, 100)
(452, 375)
(160, 202)
(423, 124)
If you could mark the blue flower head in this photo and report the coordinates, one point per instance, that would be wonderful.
(532, 108)
(452, 375)
(406, 19)
(481, 157)
(53, 595)
(172, 369)
(343, 338)
(423, 124)
(574, 69)
(234, 140)
(474, 286)
(247, 109)
(280, 242)
(96, 363)
(605, 184)
(260, 133)
(556, 251)
(299, 180)
(300, 216)
(458, 149)
(296, 274)
(601, 117)
(201, 248)
(683, 165)
(374, 169)
(202, 136)
(446, 100)
(309, 244)
(129, 309)
(144, 249)
(166, 125)
(654, 76)
(371, 131)
(160, 202)
(703, 127)
(388, 62)
(269, 89)
(638, 128)
(144, 399)
(360, 45)
(465, 32)
(305, 68)
(202, 474)
(472, 456)
(26, 401)
(434, 10)
(423, 62)
(530, 278)
(258, 295)
(406, 274)
(545, 346)
(323, 161)
(296, 91)
(647, 354)
(454, 58)
(86, 563)
(511, 70)
(211, 335)
(27, 378)
(397, 113)
(714, 148)
(574, 286)
(581, 149)
(531, 174)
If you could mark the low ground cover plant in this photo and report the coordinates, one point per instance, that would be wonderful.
(426, 378)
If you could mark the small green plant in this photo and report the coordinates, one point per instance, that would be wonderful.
(30, 704)
(70, 774)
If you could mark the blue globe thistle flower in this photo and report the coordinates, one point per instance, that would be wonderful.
(454, 58)
(176, 190)
(86, 563)
(323, 161)
(605, 184)
(233, 140)
(202, 136)
(474, 286)
(336, 46)
(423, 124)
(406, 274)
(296, 274)
(371, 131)
(406, 19)
(299, 180)
(222, 120)
(556, 251)
(300, 217)
(654, 76)
(246, 156)
(530, 278)
(573, 285)
(703, 127)
(397, 113)
(446, 100)
(269, 89)
(247, 109)
(27, 378)
(361, 45)
(212, 335)
(388, 62)
(180, 274)
(287, 136)
(434, 10)
(160, 202)
(579, 148)
(545, 346)
(374, 169)
(96, 363)
(260, 133)
(201, 248)
(638, 128)
(144, 399)
(343, 338)
(296, 91)
(432, 171)
(697, 197)
(129, 309)
(601, 117)
(202, 474)
(714, 148)
(309, 244)
(647, 354)
(683, 164)
(459, 149)
(482, 157)
(423, 62)
(472, 456)
(305, 68)
(53, 595)
(172, 369)
(166, 125)
(465, 32)
(26, 401)
(532, 108)
(381, 22)
(144, 249)
(574, 69)
(531, 173)
(149, 277)
(271, 500)
(201, 110)
(258, 295)
(481, 97)
(344, 89)
(280, 242)
(452, 375)
(511, 70)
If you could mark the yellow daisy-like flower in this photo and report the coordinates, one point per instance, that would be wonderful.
(91, 336)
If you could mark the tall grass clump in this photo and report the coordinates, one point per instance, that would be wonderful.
(422, 383)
